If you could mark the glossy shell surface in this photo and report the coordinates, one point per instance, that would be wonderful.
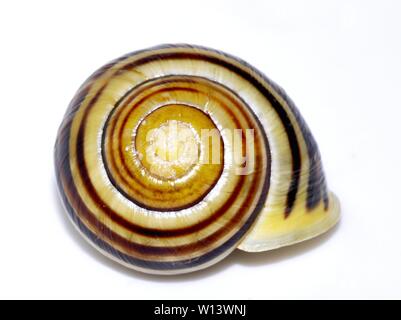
(170, 158)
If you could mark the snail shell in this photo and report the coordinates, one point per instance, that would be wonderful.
(142, 183)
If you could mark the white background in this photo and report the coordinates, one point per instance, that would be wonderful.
(340, 61)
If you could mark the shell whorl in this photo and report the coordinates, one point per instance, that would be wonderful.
(138, 202)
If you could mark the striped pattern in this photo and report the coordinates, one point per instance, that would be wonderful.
(163, 223)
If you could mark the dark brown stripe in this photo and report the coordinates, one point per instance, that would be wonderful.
(317, 187)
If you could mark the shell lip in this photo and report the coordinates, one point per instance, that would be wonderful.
(329, 222)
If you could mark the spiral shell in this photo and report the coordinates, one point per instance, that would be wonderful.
(170, 158)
